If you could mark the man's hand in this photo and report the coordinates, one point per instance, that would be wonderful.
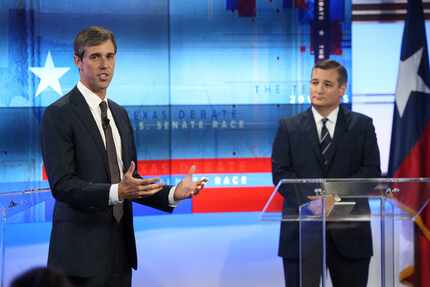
(132, 188)
(315, 206)
(187, 187)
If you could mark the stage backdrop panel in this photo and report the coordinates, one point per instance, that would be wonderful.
(204, 82)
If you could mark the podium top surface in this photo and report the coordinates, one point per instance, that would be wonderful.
(356, 180)
(8, 188)
(347, 199)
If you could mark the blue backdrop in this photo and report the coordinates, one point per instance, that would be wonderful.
(200, 79)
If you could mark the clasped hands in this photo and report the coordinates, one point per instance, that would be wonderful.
(316, 204)
(134, 188)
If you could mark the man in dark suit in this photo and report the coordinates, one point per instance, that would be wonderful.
(326, 141)
(90, 158)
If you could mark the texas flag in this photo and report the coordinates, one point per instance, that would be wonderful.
(410, 139)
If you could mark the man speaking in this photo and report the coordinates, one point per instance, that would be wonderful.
(90, 158)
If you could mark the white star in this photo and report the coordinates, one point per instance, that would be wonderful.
(408, 80)
(49, 76)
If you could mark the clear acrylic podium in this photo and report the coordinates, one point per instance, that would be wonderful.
(320, 208)
(18, 201)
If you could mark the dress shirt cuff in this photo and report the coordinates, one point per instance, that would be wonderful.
(172, 202)
(113, 194)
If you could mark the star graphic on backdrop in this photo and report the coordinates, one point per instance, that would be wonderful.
(49, 76)
(409, 81)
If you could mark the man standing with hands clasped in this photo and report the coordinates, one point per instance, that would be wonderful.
(326, 141)
(90, 157)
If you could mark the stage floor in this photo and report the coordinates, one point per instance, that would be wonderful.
(187, 250)
(224, 249)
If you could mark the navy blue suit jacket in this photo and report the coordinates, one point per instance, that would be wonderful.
(77, 167)
(296, 154)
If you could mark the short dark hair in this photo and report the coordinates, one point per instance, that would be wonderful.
(91, 36)
(342, 74)
(41, 277)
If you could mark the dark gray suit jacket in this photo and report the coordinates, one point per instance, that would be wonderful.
(296, 154)
(77, 167)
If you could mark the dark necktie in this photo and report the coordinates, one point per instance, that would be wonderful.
(325, 142)
(115, 176)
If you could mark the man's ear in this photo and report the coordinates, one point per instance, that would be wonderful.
(77, 61)
(342, 89)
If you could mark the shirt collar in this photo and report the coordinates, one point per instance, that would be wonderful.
(332, 117)
(91, 98)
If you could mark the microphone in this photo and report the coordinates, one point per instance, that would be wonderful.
(105, 122)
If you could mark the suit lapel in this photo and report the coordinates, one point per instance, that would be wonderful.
(340, 130)
(82, 109)
(312, 134)
(121, 124)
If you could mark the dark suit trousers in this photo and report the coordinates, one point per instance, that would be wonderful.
(343, 271)
(119, 274)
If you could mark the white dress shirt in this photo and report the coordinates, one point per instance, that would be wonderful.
(330, 124)
(93, 102)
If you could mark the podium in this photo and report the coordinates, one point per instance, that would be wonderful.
(357, 217)
(18, 204)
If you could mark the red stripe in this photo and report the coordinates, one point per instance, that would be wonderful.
(204, 165)
(220, 199)
(247, 8)
(235, 199)
(301, 4)
(417, 164)
(44, 175)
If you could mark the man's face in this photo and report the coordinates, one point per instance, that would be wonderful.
(325, 90)
(97, 66)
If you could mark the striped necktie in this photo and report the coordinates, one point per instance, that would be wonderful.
(325, 142)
